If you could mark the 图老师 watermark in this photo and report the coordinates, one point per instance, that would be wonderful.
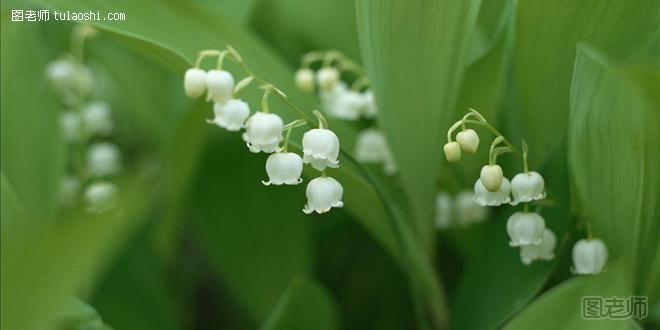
(614, 308)
(45, 15)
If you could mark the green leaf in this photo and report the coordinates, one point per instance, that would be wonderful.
(305, 304)
(32, 157)
(13, 211)
(257, 238)
(294, 27)
(612, 150)
(561, 307)
(496, 283)
(41, 267)
(415, 56)
(547, 33)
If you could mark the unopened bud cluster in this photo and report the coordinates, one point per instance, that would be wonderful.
(86, 125)
(264, 131)
(526, 230)
(342, 102)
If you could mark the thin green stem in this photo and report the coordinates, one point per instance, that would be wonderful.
(483, 122)
(323, 123)
(526, 207)
(452, 129)
(264, 101)
(221, 58)
(524, 152)
(238, 60)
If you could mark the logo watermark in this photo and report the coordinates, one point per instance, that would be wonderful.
(614, 308)
(44, 15)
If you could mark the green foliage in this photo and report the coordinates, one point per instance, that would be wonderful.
(200, 243)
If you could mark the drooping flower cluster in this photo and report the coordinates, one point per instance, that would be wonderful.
(264, 131)
(85, 125)
(460, 210)
(526, 230)
(342, 102)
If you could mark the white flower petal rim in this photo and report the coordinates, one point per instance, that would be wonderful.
(323, 194)
(525, 228)
(527, 187)
(484, 197)
(283, 168)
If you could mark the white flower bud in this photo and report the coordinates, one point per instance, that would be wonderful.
(194, 82)
(220, 85)
(389, 163)
(104, 159)
(101, 197)
(284, 168)
(70, 125)
(452, 151)
(489, 198)
(589, 256)
(370, 109)
(468, 140)
(370, 146)
(61, 72)
(263, 132)
(527, 187)
(349, 105)
(543, 251)
(69, 188)
(443, 210)
(491, 177)
(327, 78)
(468, 211)
(98, 118)
(320, 148)
(525, 228)
(323, 193)
(305, 80)
(231, 115)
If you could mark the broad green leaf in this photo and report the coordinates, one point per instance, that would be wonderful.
(137, 282)
(31, 157)
(561, 307)
(547, 33)
(13, 212)
(496, 283)
(257, 238)
(305, 304)
(41, 267)
(79, 315)
(612, 150)
(238, 11)
(415, 55)
(294, 27)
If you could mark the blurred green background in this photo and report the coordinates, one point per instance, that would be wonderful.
(200, 243)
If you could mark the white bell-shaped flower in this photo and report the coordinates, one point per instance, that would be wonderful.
(329, 97)
(349, 105)
(305, 80)
(284, 168)
(98, 118)
(443, 210)
(220, 85)
(104, 159)
(491, 177)
(263, 132)
(70, 125)
(525, 228)
(589, 256)
(468, 211)
(390, 166)
(231, 115)
(527, 187)
(194, 82)
(543, 251)
(69, 189)
(489, 198)
(370, 110)
(70, 77)
(323, 193)
(452, 151)
(101, 197)
(320, 148)
(468, 140)
(327, 78)
(370, 146)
